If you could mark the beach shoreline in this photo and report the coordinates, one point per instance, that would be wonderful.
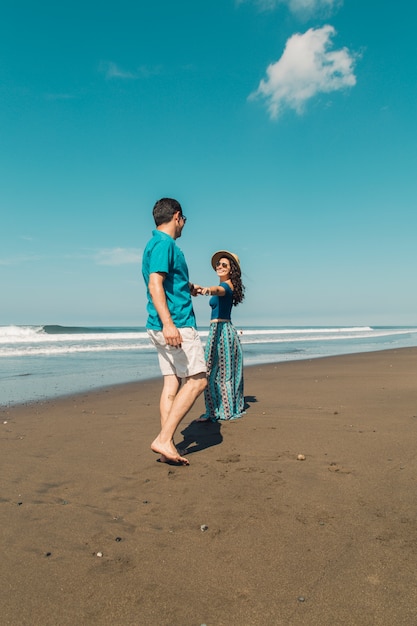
(45, 362)
(96, 531)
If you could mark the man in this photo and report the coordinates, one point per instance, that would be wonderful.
(171, 325)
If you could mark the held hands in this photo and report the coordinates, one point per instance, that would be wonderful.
(200, 291)
(194, 289)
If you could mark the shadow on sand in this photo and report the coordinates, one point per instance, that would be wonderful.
(249, 400)
(199, 436)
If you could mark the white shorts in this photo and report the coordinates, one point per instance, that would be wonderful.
(182, 362)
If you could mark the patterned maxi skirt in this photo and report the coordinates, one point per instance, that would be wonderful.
(224, 393)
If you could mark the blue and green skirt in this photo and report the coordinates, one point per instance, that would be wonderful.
(224, 393)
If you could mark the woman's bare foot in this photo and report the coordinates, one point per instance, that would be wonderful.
(168, 453)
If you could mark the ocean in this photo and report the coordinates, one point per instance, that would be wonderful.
(41, 362)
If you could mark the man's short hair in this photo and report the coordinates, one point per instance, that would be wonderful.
(164, 209)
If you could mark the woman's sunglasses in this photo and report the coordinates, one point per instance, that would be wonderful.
(222, 264)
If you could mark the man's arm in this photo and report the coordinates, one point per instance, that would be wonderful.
(156, 289)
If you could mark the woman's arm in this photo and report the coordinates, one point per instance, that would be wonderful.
(216, 290)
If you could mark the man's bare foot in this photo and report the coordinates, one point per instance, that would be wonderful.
(163, 459)
(168, 453)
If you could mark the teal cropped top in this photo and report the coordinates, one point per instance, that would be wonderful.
(221, 306)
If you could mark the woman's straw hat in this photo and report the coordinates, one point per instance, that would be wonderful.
(224, 253)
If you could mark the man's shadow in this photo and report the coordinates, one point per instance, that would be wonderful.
(199, 436)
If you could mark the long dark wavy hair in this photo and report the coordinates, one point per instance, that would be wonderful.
(238, 286)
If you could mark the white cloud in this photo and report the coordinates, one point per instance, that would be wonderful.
(20, 260)
(313, 4)
(112, 70)
(306, 68)
(118, 256)
(106, 256)
(306, 7)
(145, 71)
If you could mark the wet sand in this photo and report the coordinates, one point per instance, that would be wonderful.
(247, 534)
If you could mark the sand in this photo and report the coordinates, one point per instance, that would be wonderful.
(95, 531)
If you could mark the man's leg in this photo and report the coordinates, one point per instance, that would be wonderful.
(192, 387)
(169, 391)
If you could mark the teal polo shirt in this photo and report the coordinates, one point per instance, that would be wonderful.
(163, 255)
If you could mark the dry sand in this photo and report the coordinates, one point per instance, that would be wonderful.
(329, 540)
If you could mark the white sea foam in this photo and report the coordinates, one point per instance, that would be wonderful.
(20, 341)
(37, 334)
(307, 331)
(65, 349)
(318, 334)
(19, 333)
(44, 361)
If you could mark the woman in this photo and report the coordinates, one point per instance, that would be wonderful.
(224, 393)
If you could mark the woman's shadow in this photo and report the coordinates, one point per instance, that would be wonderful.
(201, 435)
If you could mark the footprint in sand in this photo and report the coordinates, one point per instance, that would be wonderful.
(230, 458)
(334, 467)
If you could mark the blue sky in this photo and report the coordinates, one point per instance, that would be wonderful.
(286, 128)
